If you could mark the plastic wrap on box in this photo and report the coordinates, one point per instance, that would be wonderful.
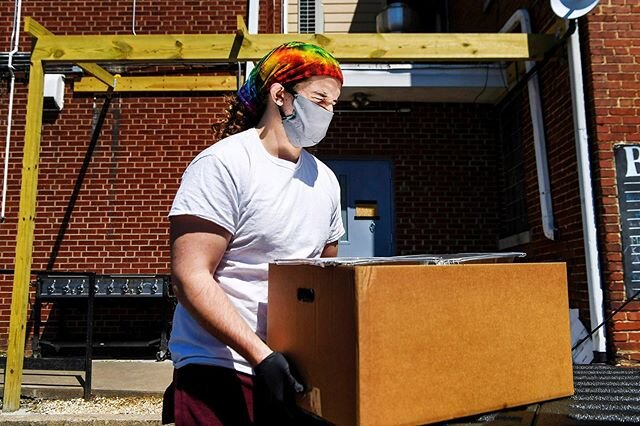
(418, 259)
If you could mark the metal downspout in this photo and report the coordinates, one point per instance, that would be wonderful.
(596, 305)
(133, 18)
(252, 26)
(285, 16)
(521, 18)
(254, 15)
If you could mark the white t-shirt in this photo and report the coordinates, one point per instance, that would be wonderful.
(274, 209)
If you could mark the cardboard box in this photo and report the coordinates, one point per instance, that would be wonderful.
(415, 344)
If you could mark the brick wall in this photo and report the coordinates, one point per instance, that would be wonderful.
(612, 51)
(444, 158)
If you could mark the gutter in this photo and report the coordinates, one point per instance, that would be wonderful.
(596, 304)
(285, 17)
(253, 13)
(521, 18)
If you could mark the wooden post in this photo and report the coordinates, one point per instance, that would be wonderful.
(24, 241)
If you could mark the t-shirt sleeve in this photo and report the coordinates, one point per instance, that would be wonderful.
(337, 227)
(209, 191)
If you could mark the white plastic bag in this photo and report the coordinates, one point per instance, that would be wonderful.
(583, 354)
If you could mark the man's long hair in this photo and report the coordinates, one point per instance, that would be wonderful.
(235, 119)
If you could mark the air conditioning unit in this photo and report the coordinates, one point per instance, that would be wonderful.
(53, 92)
(410, 16)
(397, 17)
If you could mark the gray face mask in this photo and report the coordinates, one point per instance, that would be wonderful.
(308, 123)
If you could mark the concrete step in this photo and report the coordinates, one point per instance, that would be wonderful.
(109, 378)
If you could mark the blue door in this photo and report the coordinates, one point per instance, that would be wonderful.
(367, 207)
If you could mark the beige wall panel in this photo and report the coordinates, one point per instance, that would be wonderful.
(351, 15)
(346, 8)
(341, 16)
(366, 20)
(336, 27)
(292, 16)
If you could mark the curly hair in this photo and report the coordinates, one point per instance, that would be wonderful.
(235, 119)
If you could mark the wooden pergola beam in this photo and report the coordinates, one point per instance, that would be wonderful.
(223, 48)
(160, 84)
(242, 27)
(32, 27)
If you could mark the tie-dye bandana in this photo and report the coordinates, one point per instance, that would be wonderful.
(287, 64)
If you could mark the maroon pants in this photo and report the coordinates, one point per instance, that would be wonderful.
(208, 395)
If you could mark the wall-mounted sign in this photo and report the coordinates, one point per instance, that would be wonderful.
(366, 209)
(628, 179)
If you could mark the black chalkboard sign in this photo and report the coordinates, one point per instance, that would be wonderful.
(628, 179)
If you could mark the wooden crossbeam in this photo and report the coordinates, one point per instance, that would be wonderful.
(242, 27)
(160, 84)
(345, 47)
(32, 27)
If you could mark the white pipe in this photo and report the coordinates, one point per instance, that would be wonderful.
(15, 41)
(521, 18)
(252, 27)
(254, 14)
(133, 19)
(285, 16)
(596, 306)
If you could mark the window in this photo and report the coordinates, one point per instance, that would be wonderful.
(310, 17)
(513, 207)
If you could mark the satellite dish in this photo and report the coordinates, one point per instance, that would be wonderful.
(572, 9)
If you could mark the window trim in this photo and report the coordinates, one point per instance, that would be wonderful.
(514, 240)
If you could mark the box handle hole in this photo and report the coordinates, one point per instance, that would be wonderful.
(306, 295)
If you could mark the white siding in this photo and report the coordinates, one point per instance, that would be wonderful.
(342, 16)
(292, 16)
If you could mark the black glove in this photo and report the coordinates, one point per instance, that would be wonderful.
(274, 392)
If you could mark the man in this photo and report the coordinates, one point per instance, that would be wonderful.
(251, 198)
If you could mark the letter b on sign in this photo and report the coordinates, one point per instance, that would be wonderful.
(632, 154)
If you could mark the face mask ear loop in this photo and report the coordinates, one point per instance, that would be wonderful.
(293, 114)
(282, 115)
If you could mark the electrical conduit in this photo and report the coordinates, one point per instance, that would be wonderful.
(15, 41)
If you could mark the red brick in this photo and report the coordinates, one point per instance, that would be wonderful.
(626, 326)
(620, 337)
(628, 346)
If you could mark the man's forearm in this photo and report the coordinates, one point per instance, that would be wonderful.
(202, 296)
